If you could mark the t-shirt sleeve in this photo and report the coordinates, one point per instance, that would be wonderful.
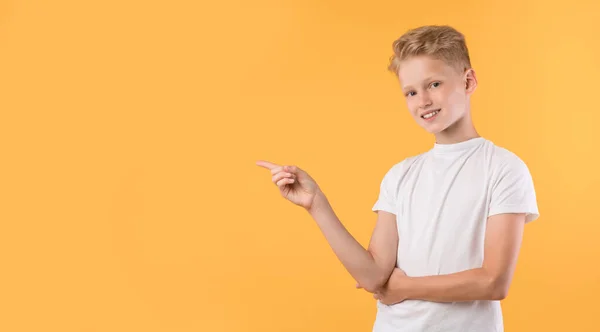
(387, 199)
(513, 191)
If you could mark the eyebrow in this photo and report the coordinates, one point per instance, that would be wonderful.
(425, 80)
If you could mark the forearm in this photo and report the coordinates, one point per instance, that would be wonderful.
(355, 258)
(469, 285)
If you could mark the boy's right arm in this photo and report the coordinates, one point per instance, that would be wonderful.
(370, 267)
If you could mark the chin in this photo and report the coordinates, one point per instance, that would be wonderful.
(435, 128)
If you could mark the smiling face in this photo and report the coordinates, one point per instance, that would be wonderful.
(437, 95)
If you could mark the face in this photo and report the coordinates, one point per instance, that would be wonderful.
(437, 95)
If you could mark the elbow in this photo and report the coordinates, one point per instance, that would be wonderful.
(499, 294)
(372, 289)
(374, 284)
(498, 289)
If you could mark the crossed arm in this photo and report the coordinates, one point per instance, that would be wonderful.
(490, 282)
(370, 267)
(374, 268)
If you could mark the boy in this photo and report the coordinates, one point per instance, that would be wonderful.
(450, 220)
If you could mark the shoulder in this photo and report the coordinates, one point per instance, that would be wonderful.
(506, 166)
(512, 187)
(504, 160)
(399, 170)
(405, 164)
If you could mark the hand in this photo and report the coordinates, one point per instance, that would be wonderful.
(294, 184)
(391, 292)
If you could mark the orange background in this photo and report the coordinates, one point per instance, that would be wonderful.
(129, 197)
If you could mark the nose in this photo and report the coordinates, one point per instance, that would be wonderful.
(424, 100)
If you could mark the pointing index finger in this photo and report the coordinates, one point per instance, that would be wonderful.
(266, 164)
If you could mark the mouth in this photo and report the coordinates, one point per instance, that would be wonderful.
(431, 115)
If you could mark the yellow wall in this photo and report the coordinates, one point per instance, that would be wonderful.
(129, 197)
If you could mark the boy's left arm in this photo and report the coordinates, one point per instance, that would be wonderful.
(503, 238)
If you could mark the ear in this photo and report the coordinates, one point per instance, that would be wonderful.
(470, 81)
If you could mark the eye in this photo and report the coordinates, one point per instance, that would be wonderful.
(410, 93)
(436, 84)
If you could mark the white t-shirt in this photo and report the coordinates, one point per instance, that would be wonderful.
(442, 199)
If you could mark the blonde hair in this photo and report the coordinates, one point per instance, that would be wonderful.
(441, 42)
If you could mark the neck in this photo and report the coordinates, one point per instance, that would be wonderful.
(462, 130)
